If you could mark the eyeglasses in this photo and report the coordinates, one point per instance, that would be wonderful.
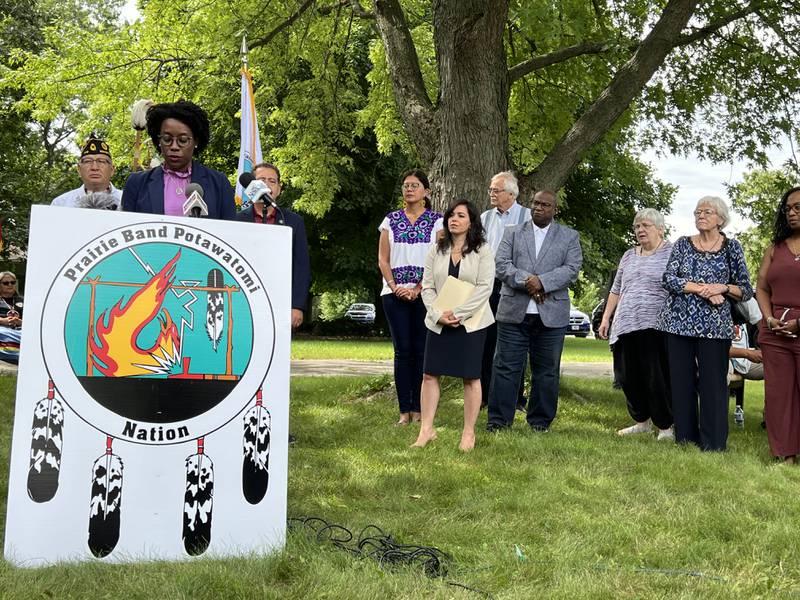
(166, 139)
(706, 212)
(494, 191)
(411, 186)
(790, 208)
(87, 162)
(7, 282)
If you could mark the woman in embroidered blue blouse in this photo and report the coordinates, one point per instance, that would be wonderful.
(406, 235)
(704, 272)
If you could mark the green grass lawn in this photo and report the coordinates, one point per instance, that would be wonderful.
(574, 513)
(575, 349)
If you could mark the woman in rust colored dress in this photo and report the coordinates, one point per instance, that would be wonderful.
(778, 294)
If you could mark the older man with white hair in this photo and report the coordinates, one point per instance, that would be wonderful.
(505, 212)
(96, 169)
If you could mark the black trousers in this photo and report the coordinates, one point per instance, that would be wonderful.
(642, 368)
(698, 372)
(488, 353)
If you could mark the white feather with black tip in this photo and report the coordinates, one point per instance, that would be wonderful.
(105, 506)
(139, 114)
(215, 313)
(46, 444)
(198, 502)
(255, 464)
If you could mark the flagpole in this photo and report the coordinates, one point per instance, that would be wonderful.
(250, 144)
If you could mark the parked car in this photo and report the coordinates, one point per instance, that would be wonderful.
(361, 313)
(579, 324)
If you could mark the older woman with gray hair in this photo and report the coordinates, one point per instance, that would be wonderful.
(11, 305)
(704, 272)
(640, 350)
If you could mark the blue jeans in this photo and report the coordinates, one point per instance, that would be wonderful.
(543, 344)
(407, 326)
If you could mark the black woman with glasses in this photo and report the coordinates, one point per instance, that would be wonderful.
(179, 131)
(778, 295)
(10, 317)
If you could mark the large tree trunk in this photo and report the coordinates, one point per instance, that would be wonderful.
(462, 141)
(473, 98)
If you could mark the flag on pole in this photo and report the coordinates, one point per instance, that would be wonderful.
(250, 147)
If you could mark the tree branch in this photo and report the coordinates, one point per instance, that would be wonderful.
(586, 48)
(780, 33)
(557, 56)
(411, 97)
(358, 10)
(287, 23)
(627, 83)
(704, 32)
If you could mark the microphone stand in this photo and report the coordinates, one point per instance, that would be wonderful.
(280, 218)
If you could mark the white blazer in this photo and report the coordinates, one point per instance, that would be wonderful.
(477, 268)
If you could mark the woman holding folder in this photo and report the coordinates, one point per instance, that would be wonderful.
(456, 285)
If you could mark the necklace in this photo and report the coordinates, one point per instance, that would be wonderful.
(793, 251)
(711, 247)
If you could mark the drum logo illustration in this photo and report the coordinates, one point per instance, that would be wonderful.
(155, 334)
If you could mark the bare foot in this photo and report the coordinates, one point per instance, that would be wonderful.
(416, 417)
(467, 441)
(405, 419)
(423, 439)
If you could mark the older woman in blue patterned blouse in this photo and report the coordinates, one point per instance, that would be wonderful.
(704, 271)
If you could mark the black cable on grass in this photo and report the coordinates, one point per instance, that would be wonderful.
(379, 546)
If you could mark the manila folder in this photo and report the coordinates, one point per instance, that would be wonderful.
(453, 294)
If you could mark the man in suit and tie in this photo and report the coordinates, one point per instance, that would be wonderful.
(536, 261)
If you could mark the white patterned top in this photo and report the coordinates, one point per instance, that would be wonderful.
(641, 293)
(408, 245)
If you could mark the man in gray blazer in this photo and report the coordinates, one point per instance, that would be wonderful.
(536, 261)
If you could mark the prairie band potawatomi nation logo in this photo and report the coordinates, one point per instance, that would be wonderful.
(158, 333)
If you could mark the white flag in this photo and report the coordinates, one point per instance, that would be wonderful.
(250, 147)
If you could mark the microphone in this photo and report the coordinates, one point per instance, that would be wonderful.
(101, 200)
(194, 205)
(245, 179)
(257, 191)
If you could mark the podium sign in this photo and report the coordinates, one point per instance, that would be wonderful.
(151, 415)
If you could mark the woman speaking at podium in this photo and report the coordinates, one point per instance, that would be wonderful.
(179, 131)
(456, 284)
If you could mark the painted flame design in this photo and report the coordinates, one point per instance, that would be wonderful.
(116, 352)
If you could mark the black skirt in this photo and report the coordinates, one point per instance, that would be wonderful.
(454, 352)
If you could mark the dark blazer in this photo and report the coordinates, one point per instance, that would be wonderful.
(301, 263)
(557, 266)
(144, 192)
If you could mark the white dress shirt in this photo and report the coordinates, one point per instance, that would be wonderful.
(495, 222)
(539, 233)
(71, 198)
